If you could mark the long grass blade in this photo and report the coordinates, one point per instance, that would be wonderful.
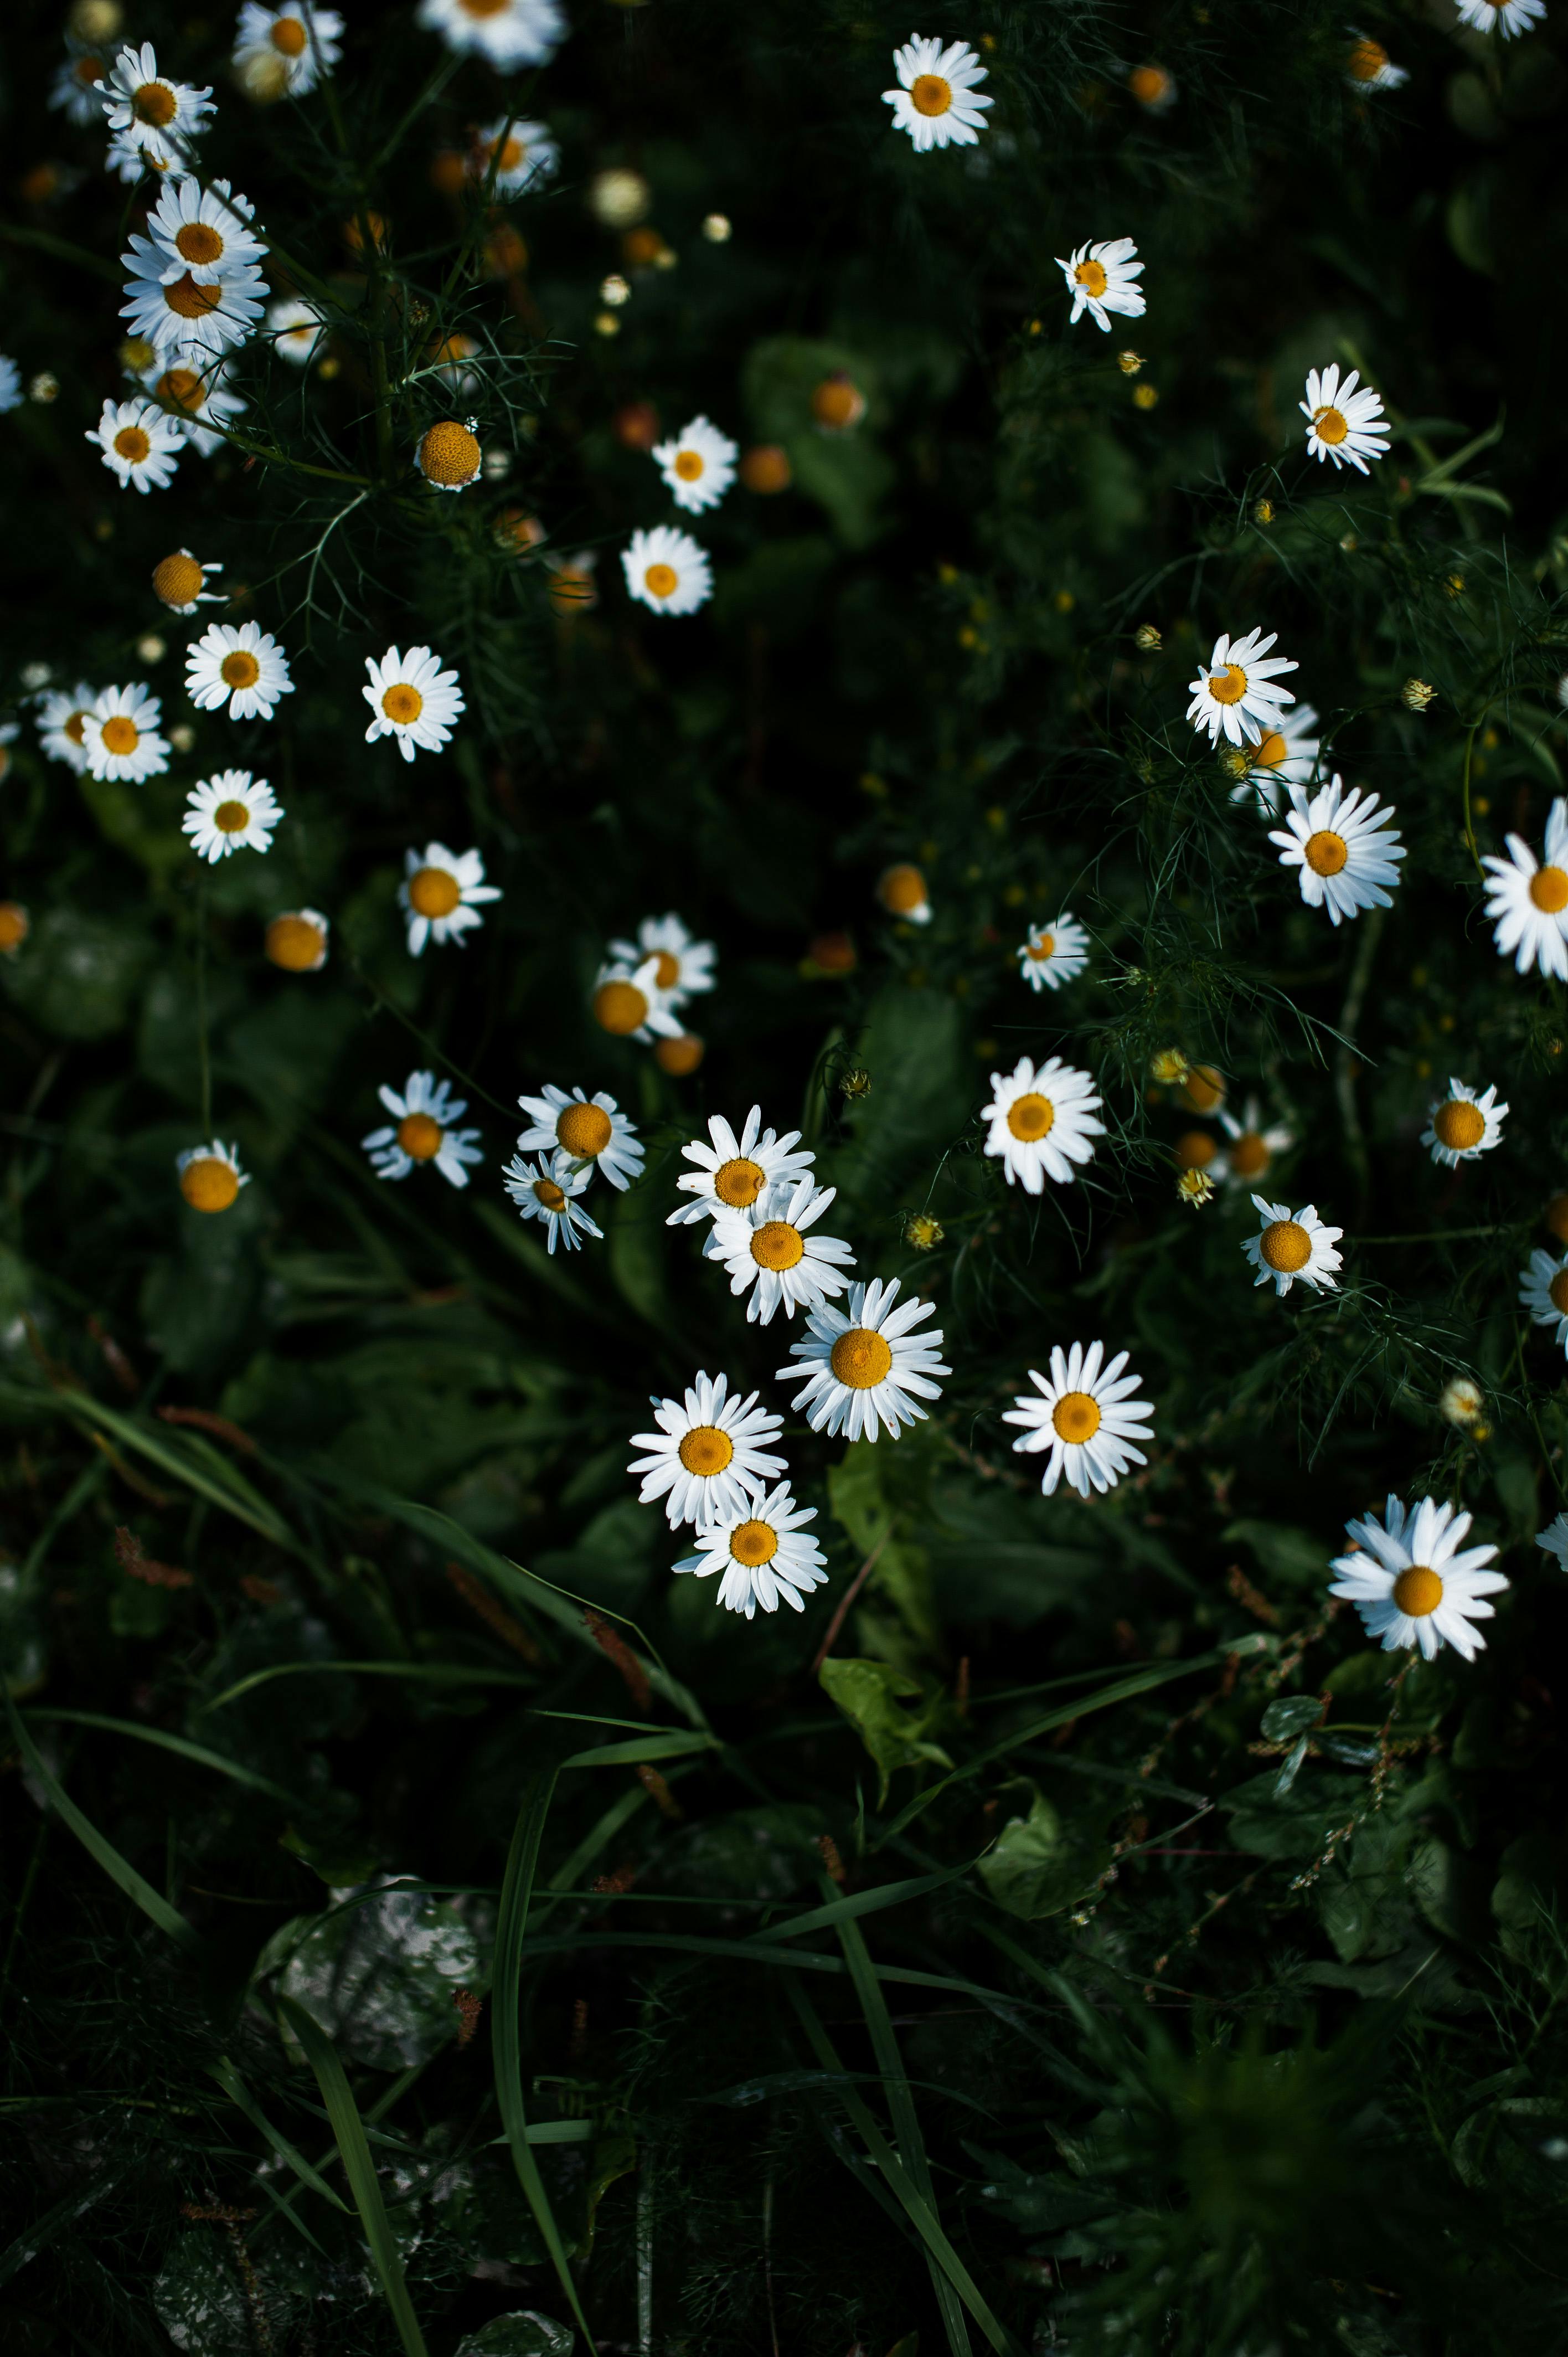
(358, 2168)
(97, 1847)
(178, 1745)
(506, 2020)
(216, 1480)
(240, 2095)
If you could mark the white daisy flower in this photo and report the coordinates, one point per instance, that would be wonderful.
(1341, 424)
(698, 463)
(422, 1130)
(862, 1366)
(710, 1456)
(62, 724)
(1053, 954)
(1101, 279)
(1508, 17)
(548, 1191)
(442, 891)
(902, 891)
(769, 1254)
(1344, 847)
(684, 965)
(448, 456)
(203, 232)
(230, 812)
(1235, 696)
(198, 401)
(1411, 1584)
(296, 329)
(1462, 1125)
(120, 735)
(1554, 1539)
(591, 1131)
(734, 1171)
(1284, 754)
(150, 109)
(1086, 1415)
(1291, 1244)
(179, 582)
(1543, 1291)
(11, 395)
(1253, 1146)
(78, 83)
(1040, 1121)
(938, 100)
(128, 158)
(237, 664)
(528, 158)
(285, 51)
(182, 316)
(140, 444)
(665, 569)
(1368, 66)
(1531, 903)
(295, 941)
(209, 1176)
(763, 1554)
(413, 699)
(629, 1003)
(509, 33)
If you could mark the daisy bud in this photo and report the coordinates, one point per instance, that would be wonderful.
(902, 892)
(615, 290)
(1203, 1089)
(1234, 761)
(182, 737)
(618, 198)
(496, 465)
(448, 455)
(606, 324)
(1168, 1066)
(1129, 363)
(922, 1232)
(1417, 694)
(1144, 396)
(716, 228)
(96, 20)
(1263, 512)
(151, 649)
(1147, 639)
(43, 387)
(1461, 1401)
(856, 1083)
(1195, 1186)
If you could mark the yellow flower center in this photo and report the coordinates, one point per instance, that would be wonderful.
(449, 454)
(837, 402)
(177, 579)
(678, 1056)
(208, 1184)
(154, 103)
(483, 7)
(239, 669)
(739, 1183)
(121, 735)
(1194, 1150)
(1549, 890)
(903, 889)
(1269, 751)
(776, 1244)
(181, 389)
(619, 1008)
(1230, 685)
(232, 818)
(1459, 1125)
(1326, 852)
(929, 95)
(1203, 1088)
(89, 70)
(1031, 1117)
(1366, 60)
(131, 445)
(688, 465)
(1042, 949)
(754, 1543)
(402, 705)
(190, 301)
(585, 1130)
(419, 1135)
(553, 1197)
(1148, 84)
(1286, 1246)
(433, 892)
(288, 37)
(667, 973)
(76, 728)
(1558, 1292)
(660, 580)
(706, 1449)
(295, 943)
(1418, 1590)
(860, 1358)
(1076, 1418)
(1331, 425)
(198, 241)
(13, 926)
(1554, 1218)
(1250, 1157)
(1091, 276)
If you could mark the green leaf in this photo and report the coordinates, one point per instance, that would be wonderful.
(859, 1500)
(1040, 1865)
(358, 2168)
(869, 1694)
(1291, 1715)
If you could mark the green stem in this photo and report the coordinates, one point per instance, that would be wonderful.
(203, 1051)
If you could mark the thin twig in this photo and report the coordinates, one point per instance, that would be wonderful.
(856, 1584)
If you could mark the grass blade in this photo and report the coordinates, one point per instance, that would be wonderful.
(118, 1869)
(358, 2168)
(177, 1743)
(506, 2014)
(240, 2095)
